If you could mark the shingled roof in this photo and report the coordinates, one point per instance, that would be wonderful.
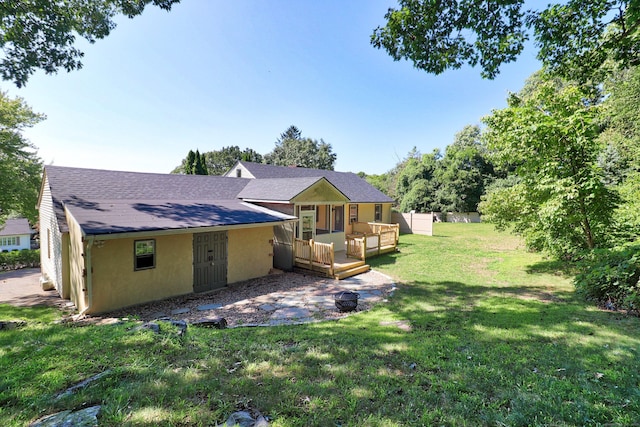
(15, 227)
(277, 189)
(106, 202)
(351, 185)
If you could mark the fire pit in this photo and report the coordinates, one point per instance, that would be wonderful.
(346, 300)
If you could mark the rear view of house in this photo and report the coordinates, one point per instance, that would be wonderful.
(113, 239)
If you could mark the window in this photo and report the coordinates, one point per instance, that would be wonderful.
(338, 218)
(145, 254)
(378, 213)
(48, 244)
(9, 241)
(353, 213)
(238, 173)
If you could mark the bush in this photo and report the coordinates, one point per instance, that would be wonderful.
(611, 278)
(15, 260)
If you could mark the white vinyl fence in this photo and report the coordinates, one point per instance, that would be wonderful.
(414, 223)
(422, 223)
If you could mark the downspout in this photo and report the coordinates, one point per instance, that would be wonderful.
(89, 275)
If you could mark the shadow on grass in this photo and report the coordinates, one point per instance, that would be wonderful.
(437, 352)
(555, 267)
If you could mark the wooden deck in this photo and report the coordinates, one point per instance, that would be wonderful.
(369, 239)
(344, 267)
(321, 258)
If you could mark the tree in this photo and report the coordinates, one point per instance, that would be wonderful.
(575, 38)
(416, 184)
(559, 203)
(218, 162)
(200, 166)
(463, 172)
(621, 157)
(20, 168)
(36, 34)
(294, 150)
(190, 161)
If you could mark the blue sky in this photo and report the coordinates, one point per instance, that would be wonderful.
(212, 73)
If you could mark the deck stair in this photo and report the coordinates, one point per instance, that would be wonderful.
(351, 271)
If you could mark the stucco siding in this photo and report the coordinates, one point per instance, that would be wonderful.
(386, 213)
(250, 253)
(116, 284)
(337, 238)
(77, 266)
(366, 212)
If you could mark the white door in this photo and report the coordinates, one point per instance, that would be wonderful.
(308, 224)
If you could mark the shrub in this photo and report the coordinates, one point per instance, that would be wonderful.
(611, 278)
(15, 260)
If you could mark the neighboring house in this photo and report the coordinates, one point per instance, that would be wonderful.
(15, 235)
(113, 239)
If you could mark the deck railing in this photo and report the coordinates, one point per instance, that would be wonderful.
(372, 238)
(316, 255)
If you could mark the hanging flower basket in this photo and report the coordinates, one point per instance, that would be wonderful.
(346, 300)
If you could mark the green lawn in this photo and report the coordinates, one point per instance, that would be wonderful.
(480, 332)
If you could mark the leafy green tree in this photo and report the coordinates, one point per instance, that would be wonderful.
(220, 161)
(463, 172)
(621, 157)
(294, 150)
(38, 34)
(575, 37)
(20, 167)
(416, 184)
(560, 203)
(385, 182)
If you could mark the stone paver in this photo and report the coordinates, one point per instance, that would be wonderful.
(209, 307)
(291, 313)
(288, 307)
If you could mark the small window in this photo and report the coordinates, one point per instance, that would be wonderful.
(145, 254)
(378, 213)
(48, 244)
(238, 173)
(353, 213)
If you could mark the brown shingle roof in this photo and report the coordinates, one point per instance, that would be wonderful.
(351, 185)
(105, 202)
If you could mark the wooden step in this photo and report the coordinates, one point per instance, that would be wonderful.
(352, 271)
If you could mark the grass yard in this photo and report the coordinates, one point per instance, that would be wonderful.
(480, 332)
